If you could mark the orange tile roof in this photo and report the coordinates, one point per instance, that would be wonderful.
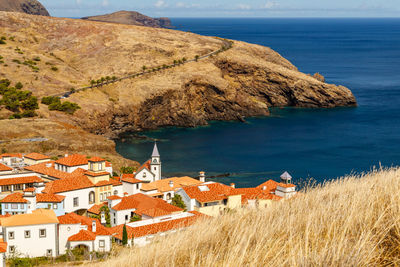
(96, 159)
(83, 235)
(30, 189)
(73, 160)
(95, 209)
(20, 180)
(115, 182)
(145, 165)
(49, 198)
(14, 198)
(39, 216)
(269, 185)
(155, 228)
(9, 155)
(4, 168)
(3, 247)
(114, 197)
(163, 185)
(129, 178)
(215, 192)
(254, 194)
(73, 218)
(146, 205)
(36, 156)
(108, 164)
(95, 174)
(50, 171)
(286, 185)
(68, 184)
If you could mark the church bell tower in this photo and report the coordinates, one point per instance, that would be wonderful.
(155, 164)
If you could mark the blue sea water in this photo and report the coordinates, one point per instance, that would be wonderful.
(362, 54)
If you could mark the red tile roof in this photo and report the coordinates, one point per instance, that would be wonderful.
(286, 185)
(114, 197)
(50, 171)
(270, 186)
(95, 209)
(4, 168)
(3, 247)
(73, 160)
(145, 165)
(213, 192)
(94, 174)
(73, 218)
(20, 180)
(14, 198)
(129, 178)
(96, 159)
(155, 228)
(30, 189)
(108, 164)
(83, 235)
(146, 205)
(254, 194)
(49, 198)
(68, 184)
(36, 156)
(8, 155)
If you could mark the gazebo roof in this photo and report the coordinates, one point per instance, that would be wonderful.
(286, 176)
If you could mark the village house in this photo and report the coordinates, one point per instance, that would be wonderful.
(11, 160)
(35, 158)
(31, 235)
(3, 251)
(83, 232)
(142, 232)
(29, 200)
(166, 188)
(4, 169)
(210, 198)
(138, 206)
(130, 184)
(19, 183)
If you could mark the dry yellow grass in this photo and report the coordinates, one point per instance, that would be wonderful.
(352, 221)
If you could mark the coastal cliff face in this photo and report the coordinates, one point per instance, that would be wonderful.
(244, 81)
(32, 7)
(132, 18)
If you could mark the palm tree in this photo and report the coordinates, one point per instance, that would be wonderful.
(144, 68)
(113, 78)
(175, 62)
(196, 58)
(184, 60)
(92, 82)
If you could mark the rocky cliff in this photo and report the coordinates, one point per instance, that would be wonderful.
(132, 18)
(244, 81)
(32, 7)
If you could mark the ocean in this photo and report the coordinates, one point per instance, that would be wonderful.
(320, 144)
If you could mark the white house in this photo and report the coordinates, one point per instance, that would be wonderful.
(166, 188)
(11, 159)
(142, 232)
(79, 231)
(35, 158)
(130, 185)
(5, 169)
(31, 235)
(139, 205)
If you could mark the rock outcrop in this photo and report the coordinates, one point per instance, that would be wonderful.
(32, 7)
(243, 81)
(132, 18)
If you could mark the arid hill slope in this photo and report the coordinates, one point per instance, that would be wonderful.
(243, 81)
(32, 7)
(132, 18)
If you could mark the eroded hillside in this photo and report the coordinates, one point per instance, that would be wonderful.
(243, 81)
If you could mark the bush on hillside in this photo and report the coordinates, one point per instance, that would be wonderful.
(55, 103)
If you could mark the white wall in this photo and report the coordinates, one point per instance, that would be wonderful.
(107, 243)
(73, 244)
(120, 216)
(65, 231)
(131, 189)
(190, 203)
(145, 175)
(83, 196)
(2, 260)
(35, 246)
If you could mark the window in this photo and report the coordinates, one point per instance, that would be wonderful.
(6, 206)
(14, 206)
(137, 186)
(102, 244)
(155, 168)
(114, 221)
(49, 252)
(126, 217)
(11, 235)
(109, 193)
(101, 197)
(144, 175)
(55, 206)
(68, 228)
(48, 206)
(91, 197)
(22, 206)
(168, 196)
(76, 202)
(12, 249)
(18, 187)
(27, 234)
(115, 192)
(42, 233)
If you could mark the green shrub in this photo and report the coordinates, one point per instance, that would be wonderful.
(47, 100)
(16, 61)
(54, 68)
(19, 85)
(2, 42)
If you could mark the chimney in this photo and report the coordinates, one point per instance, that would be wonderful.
(264, 187)
(233, 185)
(66, 155)
(171, 183)
(94, 226)
(48, 165)
(202, 177)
